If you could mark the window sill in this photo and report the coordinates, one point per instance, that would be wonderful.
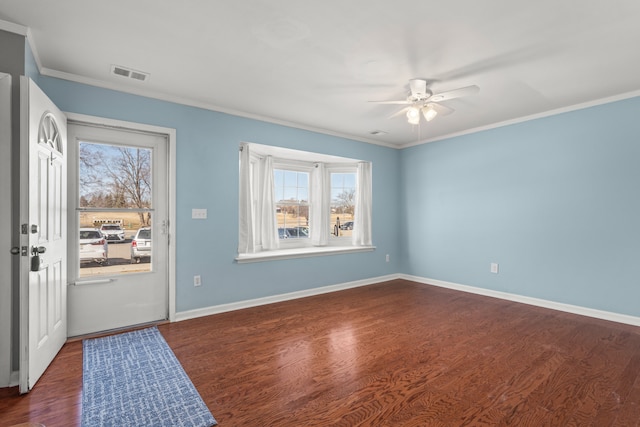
(301, 253)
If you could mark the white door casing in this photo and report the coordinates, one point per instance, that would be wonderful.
(43, 218)
(6, 228)
(120, 299)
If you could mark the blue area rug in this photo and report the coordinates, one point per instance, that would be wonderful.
(134, 379)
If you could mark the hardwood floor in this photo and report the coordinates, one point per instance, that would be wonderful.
(392, 354)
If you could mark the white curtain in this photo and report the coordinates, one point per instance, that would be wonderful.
(362, 222)
(268, 222)
(319, 219)
(246, 213)
(258, 229)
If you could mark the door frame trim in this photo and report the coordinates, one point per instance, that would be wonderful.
(6, 231)
(171, 141)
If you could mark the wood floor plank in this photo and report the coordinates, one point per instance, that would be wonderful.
(393, 354)
(629, 413)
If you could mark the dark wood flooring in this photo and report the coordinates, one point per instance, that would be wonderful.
(392, 354)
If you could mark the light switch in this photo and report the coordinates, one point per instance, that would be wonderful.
(198, 213)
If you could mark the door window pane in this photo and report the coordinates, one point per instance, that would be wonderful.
(115, 209)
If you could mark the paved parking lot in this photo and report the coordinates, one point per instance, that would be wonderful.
(119, 261)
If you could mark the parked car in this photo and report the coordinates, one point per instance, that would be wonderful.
(303, 231)
(93, 246)
(347, 225)
(141, 245)
(112, 232)
(295, 232)
(283, 233)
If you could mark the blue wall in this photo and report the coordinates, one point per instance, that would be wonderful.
(30, 65)
(207, 177)
(555, 201)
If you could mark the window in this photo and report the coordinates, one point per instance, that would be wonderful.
(343, 193)
(297, 203)
(115, 189)
(292, 203)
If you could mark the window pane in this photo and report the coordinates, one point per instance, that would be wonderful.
(290, 193)
(290, 179)
(343, 191)
(292, 203)
(114, 176)
(303, 180)
(278, 180)
(113, 181)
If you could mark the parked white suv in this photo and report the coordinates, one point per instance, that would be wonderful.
(93, 246)
(112, 232)
(141, 245)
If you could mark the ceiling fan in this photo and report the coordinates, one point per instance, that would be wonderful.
(422, 100)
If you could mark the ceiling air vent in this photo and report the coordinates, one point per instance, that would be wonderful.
(120, 71)
(136, 75)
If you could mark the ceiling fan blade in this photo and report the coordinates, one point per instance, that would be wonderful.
(456, 93)
(398, 113)
(405, 102)
(442, 110)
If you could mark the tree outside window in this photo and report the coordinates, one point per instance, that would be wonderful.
(343, 192)
(115, 177)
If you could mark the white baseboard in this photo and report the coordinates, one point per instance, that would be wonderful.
(568, 308)
(583, 311)
(13, 380)
(222, 308)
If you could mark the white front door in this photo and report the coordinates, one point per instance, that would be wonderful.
(43, 215)
(118, 188)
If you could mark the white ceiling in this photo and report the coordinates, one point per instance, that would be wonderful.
(315, 64)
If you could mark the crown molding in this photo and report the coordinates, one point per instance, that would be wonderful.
(198, 104)
(13, 28)
(207, 106)
(549, 113)
(34, 50)
(26, 32)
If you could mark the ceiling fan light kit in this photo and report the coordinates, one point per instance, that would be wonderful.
(413, 115)
(429, 112)
(422, 100)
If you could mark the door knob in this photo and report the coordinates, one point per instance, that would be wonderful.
(15, 250)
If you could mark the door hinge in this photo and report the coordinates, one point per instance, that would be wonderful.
(24, 228)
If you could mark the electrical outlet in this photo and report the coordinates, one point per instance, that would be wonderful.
(387, 258)
(494, 268)
(197, 280)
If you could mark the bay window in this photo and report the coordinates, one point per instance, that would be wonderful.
(294, 203)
